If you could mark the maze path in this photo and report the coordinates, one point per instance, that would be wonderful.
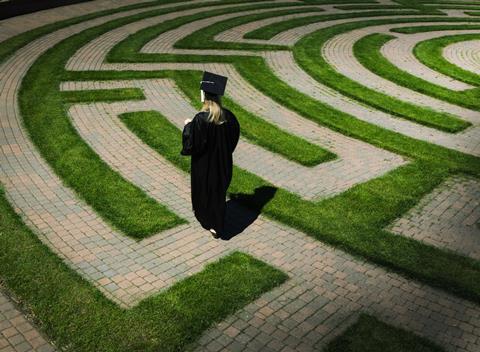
(400, 52)
(284, 65)
(338, 52)
(464, 54)
(345, 283)
(16, 332)
(448, 217)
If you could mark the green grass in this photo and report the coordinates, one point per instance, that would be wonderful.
(128, 50)
(102, 95)
(77, 315)
(429, 52)
(204, 38)
(369, 334)
(257, 130)
(367, 51)
(270, 30)
(307, 54)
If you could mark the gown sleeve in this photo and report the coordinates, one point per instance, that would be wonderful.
(234, 133)
(194, 137)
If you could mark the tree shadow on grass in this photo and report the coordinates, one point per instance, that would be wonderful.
(243, 209)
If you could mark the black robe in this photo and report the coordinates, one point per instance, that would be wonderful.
(211, 147)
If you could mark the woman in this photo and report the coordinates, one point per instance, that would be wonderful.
(210, 138)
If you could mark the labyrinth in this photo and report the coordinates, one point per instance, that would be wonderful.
(354, 206)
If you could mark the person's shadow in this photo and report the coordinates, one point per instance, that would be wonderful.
(243, 209)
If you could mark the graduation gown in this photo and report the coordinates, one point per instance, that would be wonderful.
(211, 147)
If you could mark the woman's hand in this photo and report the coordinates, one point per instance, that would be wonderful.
(187, 121)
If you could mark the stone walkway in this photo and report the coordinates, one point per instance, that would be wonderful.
(17, 333)
(327, 287)
(464, 54)
(448, 217)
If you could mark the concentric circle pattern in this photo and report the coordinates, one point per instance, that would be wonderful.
(392, 148)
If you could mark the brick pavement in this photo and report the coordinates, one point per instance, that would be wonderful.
(327, 288)
(448, 217)
(399, 52)
(464, 54)
(338, 52)
(17, 332)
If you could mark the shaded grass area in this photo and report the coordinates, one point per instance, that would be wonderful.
(367, 51)
(353, 220)
(368, 334)
(307, 54)
(257, 130)
(429, 52)
(77, 315)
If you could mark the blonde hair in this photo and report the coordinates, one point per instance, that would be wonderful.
(213, 105)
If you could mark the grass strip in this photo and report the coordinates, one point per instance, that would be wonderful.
(257, 130)
(368, 334)
(204, 37)
(367, 51)
(427, 28)
(102, 95)
(269, 31)
(128, 50)
(429, 52)
(307, 54)
(78, 317)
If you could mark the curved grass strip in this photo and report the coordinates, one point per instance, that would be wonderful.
(422, 29)
(269, 31)
(128, 50)
(429, 52)
(307, 54)
(76, 315)
(367, 51)
(368, 7)
(257, 130)
(368, 334)
(204, 38)
(102, 95)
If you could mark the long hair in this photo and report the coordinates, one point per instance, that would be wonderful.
(213, 105)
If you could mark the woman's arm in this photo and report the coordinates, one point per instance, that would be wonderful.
(194, 137)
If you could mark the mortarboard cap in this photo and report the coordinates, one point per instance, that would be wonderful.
(213, 83)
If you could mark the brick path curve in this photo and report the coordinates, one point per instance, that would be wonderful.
(327, 288)
(400, 52)
(338, 52)
(464, 54)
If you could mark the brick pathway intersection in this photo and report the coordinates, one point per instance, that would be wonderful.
(327, 288)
